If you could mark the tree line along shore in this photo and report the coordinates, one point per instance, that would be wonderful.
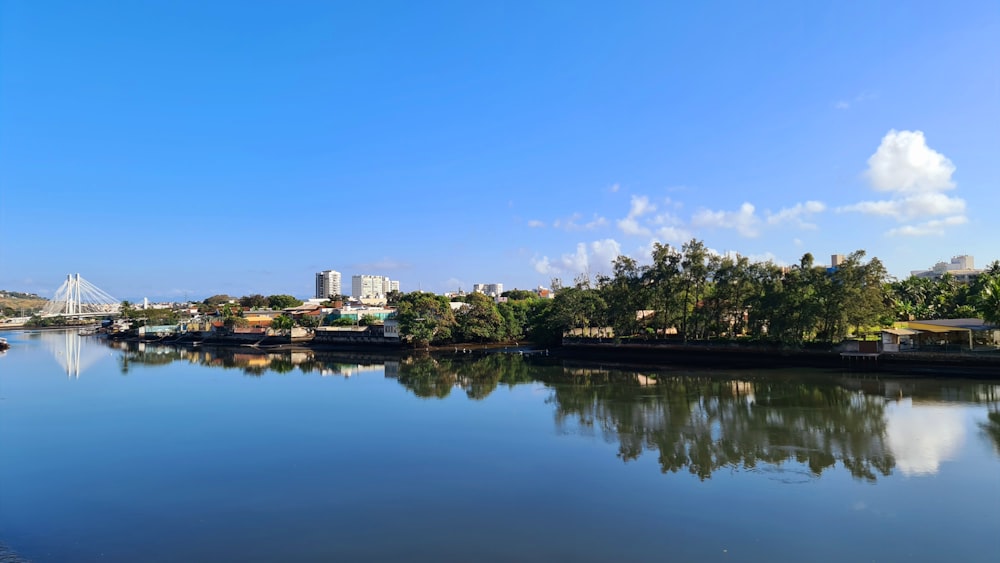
(685, 295)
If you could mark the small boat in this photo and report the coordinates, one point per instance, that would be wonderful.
(3, 344)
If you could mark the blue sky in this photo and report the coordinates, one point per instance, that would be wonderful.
(177, 150)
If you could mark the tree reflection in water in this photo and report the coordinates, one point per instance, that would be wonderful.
(992, 428)
(702, 424)
(990, 394)
(429, 377)
(695, 422)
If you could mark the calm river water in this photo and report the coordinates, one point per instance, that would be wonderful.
(164, 454)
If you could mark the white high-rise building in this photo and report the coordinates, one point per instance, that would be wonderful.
(368, 286)
(493, 290)
(327, 284)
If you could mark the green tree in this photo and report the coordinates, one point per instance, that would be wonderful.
(217, 300)
(255, 301)
(988, 294)
(479, 320)
(425, 318)
(694, 277)
(663, 278)
(282, 322)
(309, 321)
(516, 316)
(282, 301)
(578, 308)
(519, 294)
(542, 326)
(728, 296)
(624, 294)
(126, 310)
(911, 298)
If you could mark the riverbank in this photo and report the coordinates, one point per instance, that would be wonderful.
(645, 354)
(931, 364)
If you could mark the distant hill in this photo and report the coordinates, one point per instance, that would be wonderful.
(12, 303)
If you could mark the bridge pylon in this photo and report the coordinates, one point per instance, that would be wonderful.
(78, 297)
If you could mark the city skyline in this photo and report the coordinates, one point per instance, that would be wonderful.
(169, 151)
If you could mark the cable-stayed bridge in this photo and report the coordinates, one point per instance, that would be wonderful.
(77, 297)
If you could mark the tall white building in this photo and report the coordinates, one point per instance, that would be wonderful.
(493, 290)
(327, 284)
(371, 287)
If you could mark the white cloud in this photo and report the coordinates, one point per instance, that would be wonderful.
(916, 176)
(595, 223)
(604, 253)
(911, 207)
(796, 213)
(536, 224)
(744, 220)
(842, 104)
(577, 262)
(614, 188)
(932, 227)
(673, 234)
(543, 266)
(904, 163)
(599, 254)
(572, 223)
(641, 206)
(572, 263)
(630, 224)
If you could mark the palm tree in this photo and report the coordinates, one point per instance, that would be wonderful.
(989, 300)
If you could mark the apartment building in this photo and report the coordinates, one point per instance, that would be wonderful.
(327, 284)
(493, 290)
(369, 287)
(962, 268)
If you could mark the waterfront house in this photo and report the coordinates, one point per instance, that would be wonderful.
(940, 335)
(898, 339)
(357, 335)
(357, 313)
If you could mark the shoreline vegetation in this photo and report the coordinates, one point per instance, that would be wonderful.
(687, 304)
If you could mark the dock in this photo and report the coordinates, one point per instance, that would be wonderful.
(860, 360)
